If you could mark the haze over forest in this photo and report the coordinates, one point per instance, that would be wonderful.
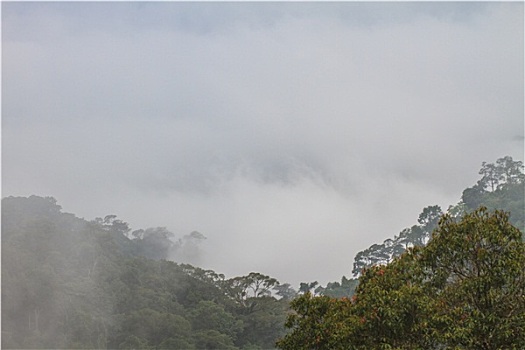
(292, 135)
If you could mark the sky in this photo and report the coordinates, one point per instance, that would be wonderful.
(292, 135)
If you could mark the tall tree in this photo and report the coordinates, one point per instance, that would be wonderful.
(429, 218)
(464, 290)
(511, 171)
(491, 176)
(475, 269)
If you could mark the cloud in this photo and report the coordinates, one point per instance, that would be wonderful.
(306, 130)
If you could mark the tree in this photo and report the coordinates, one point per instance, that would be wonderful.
(505, 171)
(417, 235)
(111, 223)
(492, 175)
(72, 284)
(475, 268)
(339, 290)
(511, 171)
(187, 249)
(285, 291)
(464, 290)
(314, 324)
(506, 192)
(264, 323)
(212, 339)
(473, 196)
(208, 315)
(429, 218)
(244, 289)
(155, 243)
(260, 284)
(307, 287)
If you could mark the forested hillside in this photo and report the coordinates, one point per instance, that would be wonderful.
(70, 283)
(463, 290)
(501, 186)
(456, 280)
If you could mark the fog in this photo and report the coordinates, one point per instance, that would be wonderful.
(292, 135)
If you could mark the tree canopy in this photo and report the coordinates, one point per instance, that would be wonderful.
(453, 280)
(502, 186)
(463, 290)
(72, 284)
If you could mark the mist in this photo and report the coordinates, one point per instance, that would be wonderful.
(291, 135)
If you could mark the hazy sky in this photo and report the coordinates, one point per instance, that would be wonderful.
(292, 135)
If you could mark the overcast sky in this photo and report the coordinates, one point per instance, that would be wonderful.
(292, 135)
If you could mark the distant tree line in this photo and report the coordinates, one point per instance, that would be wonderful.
(72, 284)
(463, 290)
(502, 186)
(454, 280)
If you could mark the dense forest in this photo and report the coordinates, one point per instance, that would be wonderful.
(455, 281)
(71, 283)
(463, 290)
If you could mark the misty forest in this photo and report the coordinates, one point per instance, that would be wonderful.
(262, 175)
(455, 279)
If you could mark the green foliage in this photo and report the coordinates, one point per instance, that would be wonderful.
(417, 235)
(208, 315)
(72, 284)
(69, 283)
(263, 322)
(307, 287)
(464, 290)
(320, 322)
(212, 339)
(501, 187)
(339, 290)
(476, 269)
(254, 285)
(285, 291)
(155, 243)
